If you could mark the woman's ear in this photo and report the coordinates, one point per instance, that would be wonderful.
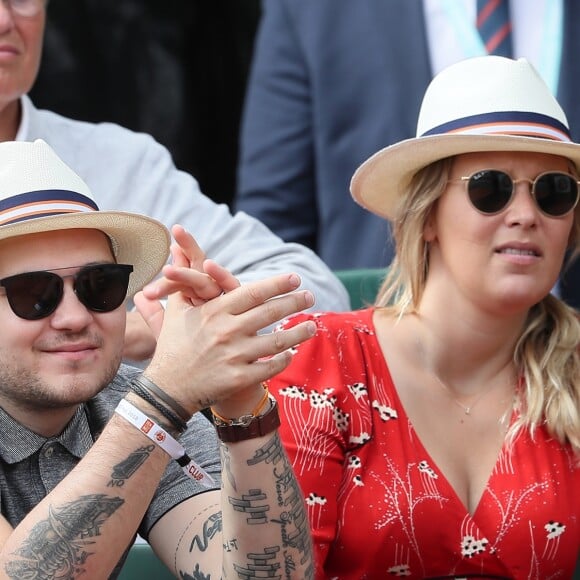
(430, 228)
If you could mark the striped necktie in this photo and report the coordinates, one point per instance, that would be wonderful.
(494, 25)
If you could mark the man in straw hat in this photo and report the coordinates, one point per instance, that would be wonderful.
(443, 428)
(129, 171)
(89, 449)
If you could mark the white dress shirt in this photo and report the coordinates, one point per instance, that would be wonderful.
(536, 33)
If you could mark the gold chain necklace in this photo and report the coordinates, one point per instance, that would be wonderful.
(466, 408)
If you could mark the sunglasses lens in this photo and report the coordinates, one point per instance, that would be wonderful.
(556, 193)
(103, 288)
(490, 190)
(33, 295)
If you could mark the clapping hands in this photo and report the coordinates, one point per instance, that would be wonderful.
(208, 349)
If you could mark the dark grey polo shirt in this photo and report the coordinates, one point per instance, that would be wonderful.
(32, 465)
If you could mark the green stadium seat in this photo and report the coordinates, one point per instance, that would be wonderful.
(362, 285)
(142, 564)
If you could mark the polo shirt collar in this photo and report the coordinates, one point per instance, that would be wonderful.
(18, 443)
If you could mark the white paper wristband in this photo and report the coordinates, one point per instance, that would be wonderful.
(164, 440)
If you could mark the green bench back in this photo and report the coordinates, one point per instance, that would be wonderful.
(143, 564)
(362, 285)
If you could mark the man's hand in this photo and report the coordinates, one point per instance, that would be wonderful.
(208, 349)
(144, 324)
(210, 279)
(140, 341)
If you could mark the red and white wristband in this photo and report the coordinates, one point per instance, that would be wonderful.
(164, 440)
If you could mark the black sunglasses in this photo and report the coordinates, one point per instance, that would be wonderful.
(490, 191)
(99, 287)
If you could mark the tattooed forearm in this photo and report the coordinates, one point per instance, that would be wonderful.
(59, 546)
(124, 470)
(289, 552)
(293, 522)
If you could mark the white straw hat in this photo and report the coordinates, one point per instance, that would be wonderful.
(487, 103)
(40, 193)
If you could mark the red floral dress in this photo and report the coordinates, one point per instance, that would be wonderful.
(379, 506)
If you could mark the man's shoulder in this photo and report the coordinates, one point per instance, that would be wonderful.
(66, 133)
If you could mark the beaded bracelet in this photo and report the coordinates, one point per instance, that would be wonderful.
(164, 440)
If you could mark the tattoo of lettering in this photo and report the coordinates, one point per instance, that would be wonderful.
(124, 470)
(59, 546)
(211, 527)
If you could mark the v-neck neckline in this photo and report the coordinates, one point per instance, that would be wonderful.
(417, 441)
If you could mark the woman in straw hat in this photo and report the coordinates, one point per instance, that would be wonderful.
(437, 434)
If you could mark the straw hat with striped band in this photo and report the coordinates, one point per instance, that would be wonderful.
(487, 103)
(40, 193)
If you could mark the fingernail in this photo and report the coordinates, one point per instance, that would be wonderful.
(294, 280)
(311, 328)
(309, 298)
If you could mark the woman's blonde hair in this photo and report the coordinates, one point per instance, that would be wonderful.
(547, 354)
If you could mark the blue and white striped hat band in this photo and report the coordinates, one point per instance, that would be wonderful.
(487, 103)
(522, 123)
(37, 204)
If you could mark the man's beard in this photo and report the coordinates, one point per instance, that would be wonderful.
(23, 388)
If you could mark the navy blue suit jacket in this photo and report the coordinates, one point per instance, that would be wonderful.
(332, 82)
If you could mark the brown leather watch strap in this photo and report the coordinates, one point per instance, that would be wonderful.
(248, 427)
